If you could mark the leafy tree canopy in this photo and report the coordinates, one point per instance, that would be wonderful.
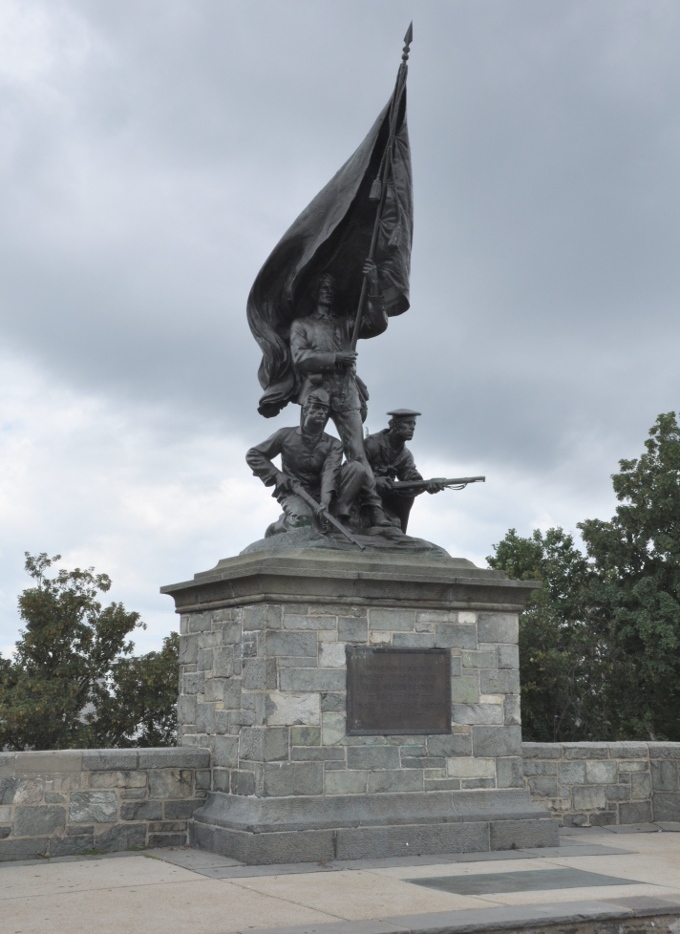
(636, 581)
(556, 642)
(599, 642)
(71, 682)
(141, 708)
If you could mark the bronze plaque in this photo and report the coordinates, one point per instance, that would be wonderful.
(398, 690)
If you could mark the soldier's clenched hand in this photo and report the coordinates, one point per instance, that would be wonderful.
(345, 358)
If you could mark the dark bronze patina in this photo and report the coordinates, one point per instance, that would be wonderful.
(312, 473)
(396, 691)
(397, 479)
(339, 274)
(346, 232)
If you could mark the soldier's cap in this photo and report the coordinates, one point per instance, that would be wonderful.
(320, 396)
(404, 413)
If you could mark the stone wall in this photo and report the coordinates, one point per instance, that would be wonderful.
(264, 687)
(73, 801)
(595, 784)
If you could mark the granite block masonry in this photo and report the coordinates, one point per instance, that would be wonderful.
(263, 653)
(603, 784)
(70, 801)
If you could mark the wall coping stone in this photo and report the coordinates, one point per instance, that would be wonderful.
(49, 760)
(542, 750)
(635, 749)
(174, 757)
(107, 759)
(663, 750)
(97, 760)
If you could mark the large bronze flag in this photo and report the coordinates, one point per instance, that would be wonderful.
(334, 234)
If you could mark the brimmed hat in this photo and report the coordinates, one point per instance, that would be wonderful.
(404, 413)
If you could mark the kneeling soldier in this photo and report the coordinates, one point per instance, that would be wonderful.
(391, 460)
(313, 459)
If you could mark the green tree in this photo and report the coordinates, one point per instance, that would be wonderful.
(60, 686)
(141, 708)
(636, 582)
(600, 642)
(562, 643)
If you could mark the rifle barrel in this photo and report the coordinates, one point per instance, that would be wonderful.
(445, 481)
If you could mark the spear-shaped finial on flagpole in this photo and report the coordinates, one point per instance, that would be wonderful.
(379, 186)
(408, 39)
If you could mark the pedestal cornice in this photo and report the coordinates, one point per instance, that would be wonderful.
(341, 578)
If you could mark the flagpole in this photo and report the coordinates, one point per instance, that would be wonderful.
(379, 186)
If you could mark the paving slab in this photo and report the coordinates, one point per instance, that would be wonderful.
(340, 927)
(55, 877)
(644, 905)
(492, 856)
(362, 896)
(633, 828)
(532, 880)
(214, 866)
(166, 890)
(581, 849)
(463, 870)
(603, 893)
(250, 872)
(196, 860)
(490, 919)
(202, 906)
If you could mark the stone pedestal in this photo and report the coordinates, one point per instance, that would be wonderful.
(264, 686)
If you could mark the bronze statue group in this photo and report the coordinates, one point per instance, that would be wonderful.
(338, 274)
(352, 479)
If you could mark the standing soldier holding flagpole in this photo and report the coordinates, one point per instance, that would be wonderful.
(338, 274)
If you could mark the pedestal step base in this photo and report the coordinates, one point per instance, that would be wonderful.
(292, 830)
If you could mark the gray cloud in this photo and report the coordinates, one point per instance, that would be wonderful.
(152, 155)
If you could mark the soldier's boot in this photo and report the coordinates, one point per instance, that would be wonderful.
(378, 519)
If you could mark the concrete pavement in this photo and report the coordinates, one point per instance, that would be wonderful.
(172, 890)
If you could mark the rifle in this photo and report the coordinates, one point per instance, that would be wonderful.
(320, 510)
(455, 483)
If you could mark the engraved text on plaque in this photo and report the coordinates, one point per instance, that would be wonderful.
(398, 690)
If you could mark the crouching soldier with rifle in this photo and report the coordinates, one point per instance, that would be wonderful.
(312, 478)
(397, 479)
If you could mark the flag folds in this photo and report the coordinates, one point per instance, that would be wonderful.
(333, 234)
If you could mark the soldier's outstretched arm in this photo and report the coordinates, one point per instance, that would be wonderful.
(260, 458)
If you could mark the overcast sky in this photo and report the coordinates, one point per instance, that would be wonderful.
(152, 152)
